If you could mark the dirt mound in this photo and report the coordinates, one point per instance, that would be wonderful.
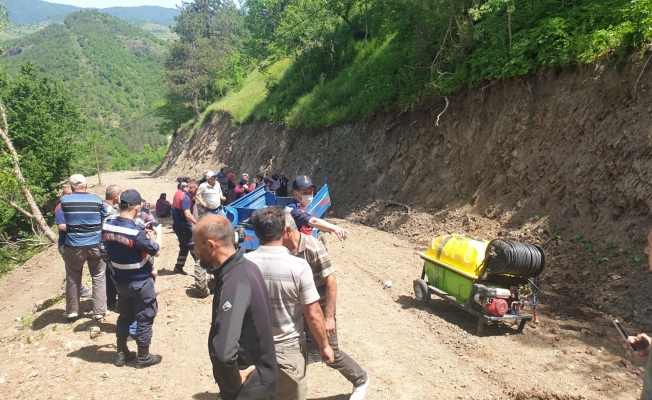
(545, 396)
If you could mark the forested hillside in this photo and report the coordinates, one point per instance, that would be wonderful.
(115, 71)
(313, 63)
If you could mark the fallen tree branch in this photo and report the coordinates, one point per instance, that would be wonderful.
(439, 115)
(395, 203)
(17, 207)
(36, 214)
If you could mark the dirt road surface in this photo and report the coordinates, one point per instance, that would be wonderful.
(409, 352)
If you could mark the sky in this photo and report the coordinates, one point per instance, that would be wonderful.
(118, 3)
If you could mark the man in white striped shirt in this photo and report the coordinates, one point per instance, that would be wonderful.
(293, 295)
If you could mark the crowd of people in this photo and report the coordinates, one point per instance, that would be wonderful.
(271, 307)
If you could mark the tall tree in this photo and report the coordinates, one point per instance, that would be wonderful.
(208, 34)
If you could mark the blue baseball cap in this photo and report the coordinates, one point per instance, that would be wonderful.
(130, 198)
(302, 182)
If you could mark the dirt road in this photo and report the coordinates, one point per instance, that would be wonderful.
(410, 352)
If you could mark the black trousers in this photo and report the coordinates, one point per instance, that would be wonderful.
(186, 245)
(136, 302)
(111, 291)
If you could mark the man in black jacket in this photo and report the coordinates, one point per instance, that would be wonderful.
(240, 342)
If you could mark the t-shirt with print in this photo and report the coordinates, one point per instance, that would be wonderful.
(315, 253)
(290, 286)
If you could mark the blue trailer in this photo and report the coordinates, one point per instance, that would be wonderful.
(239, 212)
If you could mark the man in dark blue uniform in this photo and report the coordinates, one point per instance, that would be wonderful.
(130, 248)
(303, 192)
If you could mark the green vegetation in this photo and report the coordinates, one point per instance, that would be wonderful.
(112, 68)
(46, 128)
(25, 323)
(355, 58)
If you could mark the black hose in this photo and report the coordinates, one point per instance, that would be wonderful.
(508, 257)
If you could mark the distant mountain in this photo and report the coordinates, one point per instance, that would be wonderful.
(161, 15)
(33, 11)
(114, 69)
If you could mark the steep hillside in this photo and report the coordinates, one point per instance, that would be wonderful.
(573, 146)
(114, 69)
(33, 11)
(561, 159)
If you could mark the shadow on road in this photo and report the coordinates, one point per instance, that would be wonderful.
(456, 316)
(95, 354)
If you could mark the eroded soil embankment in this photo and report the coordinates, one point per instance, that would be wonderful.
(573, 146)
(556, 157)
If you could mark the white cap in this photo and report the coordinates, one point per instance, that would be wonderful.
(209, 174)
(77, 180)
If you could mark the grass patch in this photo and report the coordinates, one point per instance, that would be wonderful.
(422, 50)
(244, 104)
(26, 322)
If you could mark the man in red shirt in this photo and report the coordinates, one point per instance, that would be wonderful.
(183, 222)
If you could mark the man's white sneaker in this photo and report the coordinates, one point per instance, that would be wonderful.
(98, 317)
(70, 316)
(359, 392)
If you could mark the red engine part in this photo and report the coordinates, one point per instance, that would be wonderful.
(497, 308)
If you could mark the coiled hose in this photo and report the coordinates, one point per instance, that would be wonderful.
(508, 257)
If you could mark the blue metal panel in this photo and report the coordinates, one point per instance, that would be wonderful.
(320, 203)
(283, 201)
(260, 198)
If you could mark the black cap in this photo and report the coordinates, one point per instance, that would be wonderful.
(302, 182)
(130, 198)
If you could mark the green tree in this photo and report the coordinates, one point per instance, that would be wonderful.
(210, 31)
(44, 126)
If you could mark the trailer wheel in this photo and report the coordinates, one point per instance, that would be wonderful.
(421, 291)
(321, 236)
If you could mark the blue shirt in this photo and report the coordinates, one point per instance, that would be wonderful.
(129, 248)
(60, 220)
(83, 213)
(301, 217)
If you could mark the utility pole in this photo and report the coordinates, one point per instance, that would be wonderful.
(97, 163)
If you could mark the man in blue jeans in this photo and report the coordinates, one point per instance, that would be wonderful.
(130, 249)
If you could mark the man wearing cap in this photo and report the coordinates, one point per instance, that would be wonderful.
(130, 249)
(61, 245)
(304, 191)
(223, 178)
(83, 213)
(209, 194)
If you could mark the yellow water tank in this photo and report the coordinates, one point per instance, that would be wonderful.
(459, 251)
